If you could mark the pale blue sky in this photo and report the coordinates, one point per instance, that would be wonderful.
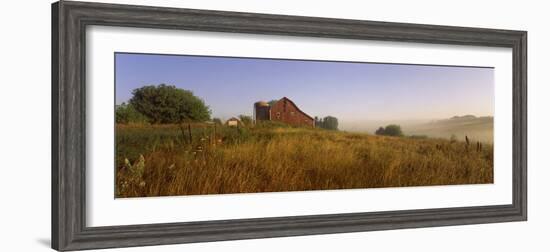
(348, 91)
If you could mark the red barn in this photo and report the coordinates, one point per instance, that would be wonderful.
(284, 110)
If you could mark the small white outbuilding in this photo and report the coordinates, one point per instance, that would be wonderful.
(233, 121)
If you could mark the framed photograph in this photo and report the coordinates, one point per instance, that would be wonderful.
(179, 125)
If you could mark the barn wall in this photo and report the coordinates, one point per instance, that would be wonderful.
(285, 111)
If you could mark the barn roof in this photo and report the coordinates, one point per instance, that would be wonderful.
(286, 98)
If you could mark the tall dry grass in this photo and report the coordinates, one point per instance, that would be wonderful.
(157, 161)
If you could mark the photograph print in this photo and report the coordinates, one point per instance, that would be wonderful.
(196, 125)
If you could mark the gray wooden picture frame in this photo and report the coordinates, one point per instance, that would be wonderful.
(69, 21)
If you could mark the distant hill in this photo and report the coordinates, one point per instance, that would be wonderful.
(476, 128)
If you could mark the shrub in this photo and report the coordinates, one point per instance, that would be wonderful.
(246, 120)
(271, 124)
(126, 113)
(390, 130)
(418, 137)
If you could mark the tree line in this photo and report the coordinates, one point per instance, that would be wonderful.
(164, 104)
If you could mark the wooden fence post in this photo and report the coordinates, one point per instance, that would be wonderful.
(189, 131)
(214, 133)
(182, 130)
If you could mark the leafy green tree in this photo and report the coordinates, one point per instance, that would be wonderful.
(393, 130)
(390, 130)
(168, 104)
(318, 122)
(246, 120)
(330, 123)
(126, 113)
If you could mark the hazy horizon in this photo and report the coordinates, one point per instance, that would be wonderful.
(352, 92)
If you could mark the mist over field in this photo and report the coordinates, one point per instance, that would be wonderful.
(476, 128)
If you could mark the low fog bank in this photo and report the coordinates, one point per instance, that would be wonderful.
(476, 128)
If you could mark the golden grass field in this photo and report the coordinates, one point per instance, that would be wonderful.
(163, 160)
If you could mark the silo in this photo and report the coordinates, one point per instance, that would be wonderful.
(261, 111)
